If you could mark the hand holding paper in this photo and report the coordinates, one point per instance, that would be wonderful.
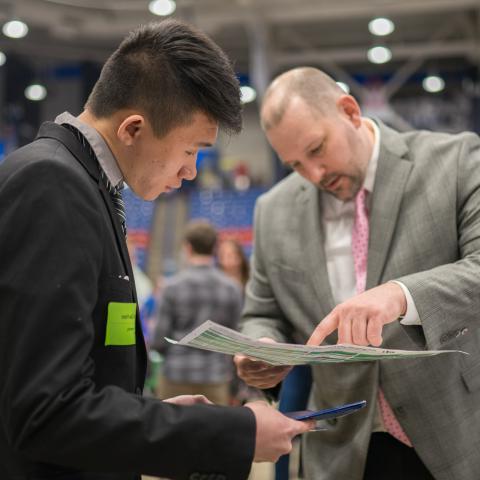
(257, 373)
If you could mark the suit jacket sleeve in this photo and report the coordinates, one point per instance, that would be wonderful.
(51, 246)
(446, 296)
(262, 315)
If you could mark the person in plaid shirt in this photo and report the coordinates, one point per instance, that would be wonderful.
(198, 293)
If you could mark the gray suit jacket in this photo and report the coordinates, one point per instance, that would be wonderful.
(425, 232)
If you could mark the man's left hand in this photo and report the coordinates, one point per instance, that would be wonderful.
(188, 400)
(360, 320)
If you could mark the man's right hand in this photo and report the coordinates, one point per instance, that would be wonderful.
(275, 432)
(257, 373)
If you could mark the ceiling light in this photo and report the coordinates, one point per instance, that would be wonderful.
(36, 92)
(433, 84)
(15, 29)
(344, 87)
(379, 54)
(162, 7)
(3, 58)
(247, 94)
(381, 26)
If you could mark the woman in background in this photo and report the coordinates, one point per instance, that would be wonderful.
(233, 261)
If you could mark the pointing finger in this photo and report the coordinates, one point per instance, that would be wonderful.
(327, 326)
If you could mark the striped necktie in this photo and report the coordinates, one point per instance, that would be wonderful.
(115, 191)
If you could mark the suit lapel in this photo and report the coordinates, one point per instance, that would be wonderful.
(390, 180)
(119, 236)
(122, 246)
(311, 235)
(68, 139)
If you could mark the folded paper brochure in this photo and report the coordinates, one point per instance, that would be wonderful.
(217, 338)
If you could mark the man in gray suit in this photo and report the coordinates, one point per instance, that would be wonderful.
(421, 236)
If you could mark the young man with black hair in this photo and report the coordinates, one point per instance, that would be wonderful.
(73, 359)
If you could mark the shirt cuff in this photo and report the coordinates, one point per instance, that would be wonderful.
(411, 316)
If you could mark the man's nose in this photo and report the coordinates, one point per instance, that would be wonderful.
(316, 174)
(188, 172)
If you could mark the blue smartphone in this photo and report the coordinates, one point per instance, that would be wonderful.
(339, 411)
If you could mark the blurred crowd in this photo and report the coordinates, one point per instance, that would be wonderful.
(229, 258)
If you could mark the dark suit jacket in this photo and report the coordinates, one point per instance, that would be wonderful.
(70, 405)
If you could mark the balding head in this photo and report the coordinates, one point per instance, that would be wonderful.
(315, 88)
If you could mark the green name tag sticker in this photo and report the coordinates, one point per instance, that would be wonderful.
(121, 323)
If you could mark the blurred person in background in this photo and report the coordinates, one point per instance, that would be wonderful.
(144, 290)
(232, 260)
(198, 293)
(73, 357)
(374, 239)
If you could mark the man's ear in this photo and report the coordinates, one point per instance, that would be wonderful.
(130, 129)
(348, 106)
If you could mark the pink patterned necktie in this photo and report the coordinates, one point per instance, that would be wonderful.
(360, 253)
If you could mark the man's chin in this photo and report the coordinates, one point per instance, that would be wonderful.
(149, 195)
(339, 194)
